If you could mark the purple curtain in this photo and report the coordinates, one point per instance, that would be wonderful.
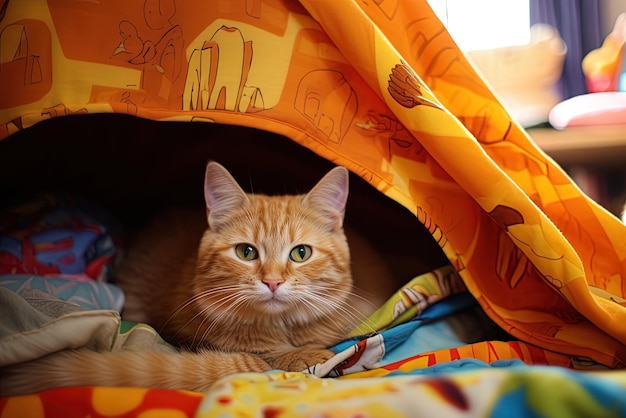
(578, 23)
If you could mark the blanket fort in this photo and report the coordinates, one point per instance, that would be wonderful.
(376, 86)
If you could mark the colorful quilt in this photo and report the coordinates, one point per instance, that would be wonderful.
(381, 88)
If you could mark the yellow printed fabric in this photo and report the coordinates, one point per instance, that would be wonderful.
(377, 86)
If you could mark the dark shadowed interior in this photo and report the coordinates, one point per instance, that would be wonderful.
(135, 167)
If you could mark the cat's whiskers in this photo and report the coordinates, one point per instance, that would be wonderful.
(315, 310)
(228, 291)
(354, 316)
(353, 294)
(195, 298)
(337, 303)
(325, 305)
(236, 302)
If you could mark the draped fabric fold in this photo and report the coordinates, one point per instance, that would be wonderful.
(521, 202)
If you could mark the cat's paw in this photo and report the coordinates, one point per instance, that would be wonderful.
(301, 359)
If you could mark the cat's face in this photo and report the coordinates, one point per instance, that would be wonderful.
(280, 255)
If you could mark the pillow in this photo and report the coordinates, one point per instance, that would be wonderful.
(603, 108)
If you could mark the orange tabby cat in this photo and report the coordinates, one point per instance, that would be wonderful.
(267, 285)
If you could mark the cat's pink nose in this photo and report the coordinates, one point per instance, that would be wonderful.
(272, 283)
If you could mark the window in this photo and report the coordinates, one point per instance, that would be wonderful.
(485, 24)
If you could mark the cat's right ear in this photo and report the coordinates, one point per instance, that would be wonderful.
(329, 197)
(221, 193)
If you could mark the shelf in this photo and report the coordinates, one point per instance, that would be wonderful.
(590, 145)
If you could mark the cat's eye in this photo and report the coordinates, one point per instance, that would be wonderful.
(246, 252)
(300, 253)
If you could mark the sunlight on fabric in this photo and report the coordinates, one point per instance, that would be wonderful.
(485, 24)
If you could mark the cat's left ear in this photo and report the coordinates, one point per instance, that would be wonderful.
(329, 197)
